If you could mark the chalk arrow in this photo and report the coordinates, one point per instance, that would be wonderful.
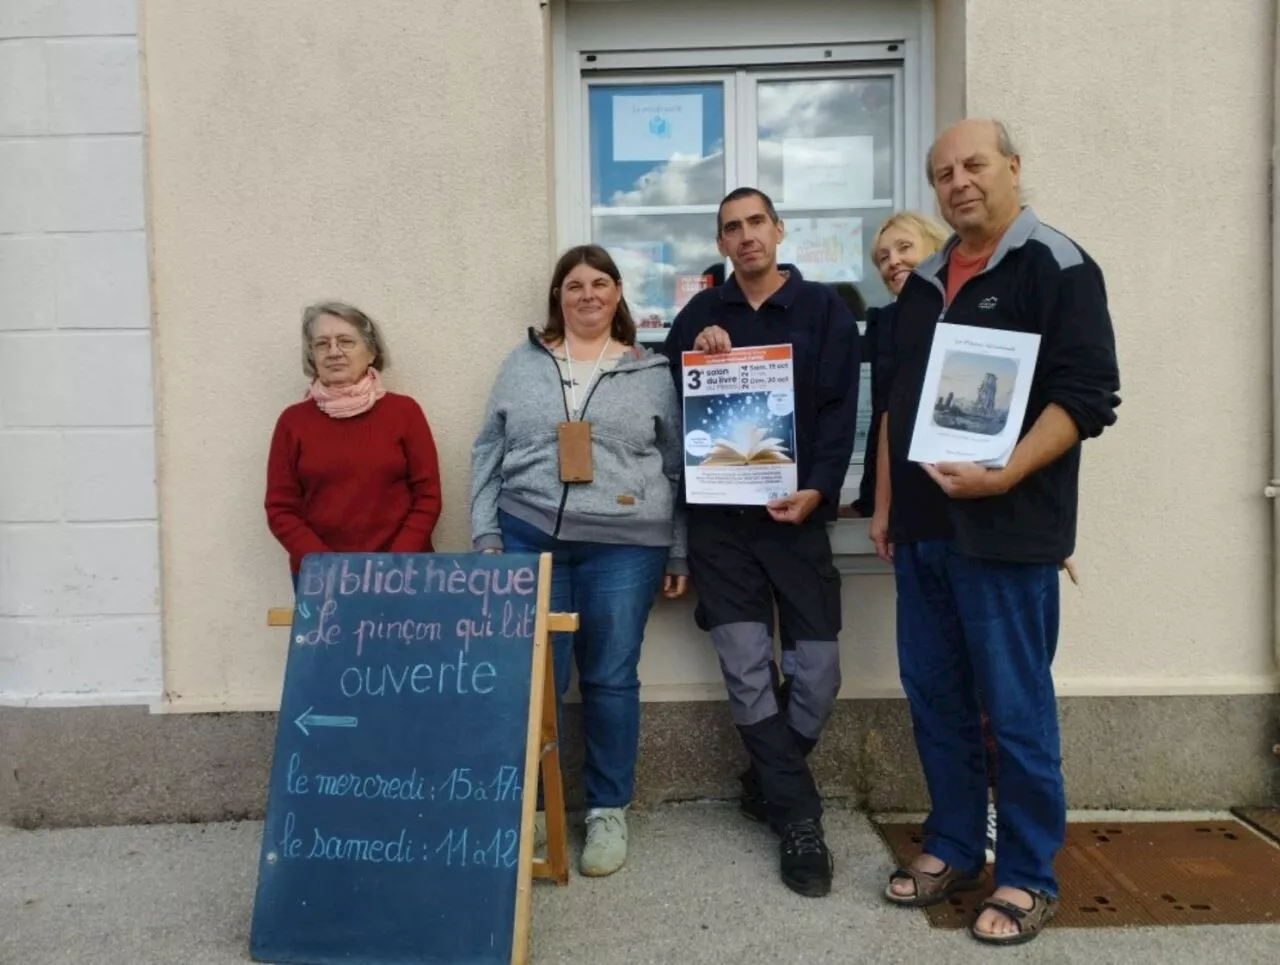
(307, 719)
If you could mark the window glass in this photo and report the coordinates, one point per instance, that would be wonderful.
(657, 174)
(826, 157)
(662, 154)
(656, 145)
(825, 154)
(664, 259)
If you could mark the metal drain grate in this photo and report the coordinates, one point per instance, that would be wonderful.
(1266, 820)
(1118, 874)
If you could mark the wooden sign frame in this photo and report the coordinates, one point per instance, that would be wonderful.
(541, 762)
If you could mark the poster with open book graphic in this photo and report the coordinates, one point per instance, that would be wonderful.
(739, 426)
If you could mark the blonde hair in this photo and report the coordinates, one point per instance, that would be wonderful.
(931, 234)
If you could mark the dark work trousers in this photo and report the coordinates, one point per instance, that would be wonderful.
(743, 564)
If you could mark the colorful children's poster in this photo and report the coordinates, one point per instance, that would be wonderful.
(824, 249)
(739, 426)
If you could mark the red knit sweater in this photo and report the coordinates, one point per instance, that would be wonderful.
(368, 484)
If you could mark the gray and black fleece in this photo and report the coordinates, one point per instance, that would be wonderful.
(636, 448)
(1037, 280)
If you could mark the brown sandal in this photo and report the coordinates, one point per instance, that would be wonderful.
(1029, 920)
(931, 889)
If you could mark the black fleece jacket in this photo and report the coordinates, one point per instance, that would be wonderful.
(1037, 280)
(812, 319)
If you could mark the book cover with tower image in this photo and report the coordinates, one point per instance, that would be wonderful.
(975, 395)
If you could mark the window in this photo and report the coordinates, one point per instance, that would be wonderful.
(663, 150)
(658, 172)
(656, 137)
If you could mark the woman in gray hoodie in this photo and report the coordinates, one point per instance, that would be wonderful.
(580, 456)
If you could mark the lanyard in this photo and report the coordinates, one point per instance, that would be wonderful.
(568, 357)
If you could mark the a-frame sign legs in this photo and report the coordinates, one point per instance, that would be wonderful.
(555, 867)
(542, 761)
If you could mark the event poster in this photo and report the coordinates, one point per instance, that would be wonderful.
(739, 424)
(689, 285)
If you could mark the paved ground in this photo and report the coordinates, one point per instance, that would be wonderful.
(701, 888)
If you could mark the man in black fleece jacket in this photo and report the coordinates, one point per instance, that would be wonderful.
(744, 558)
(976, 551)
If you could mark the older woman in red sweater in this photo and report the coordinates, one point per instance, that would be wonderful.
(352, 467)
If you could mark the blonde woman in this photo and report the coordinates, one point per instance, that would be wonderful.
(903, 241)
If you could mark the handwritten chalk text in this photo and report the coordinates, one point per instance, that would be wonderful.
(412, 577)
(326, 847)
(420, 678)
(403, 631)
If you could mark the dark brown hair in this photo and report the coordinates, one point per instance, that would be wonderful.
(741, 194)
(593, 256)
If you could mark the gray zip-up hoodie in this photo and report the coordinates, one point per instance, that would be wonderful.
(636, 451)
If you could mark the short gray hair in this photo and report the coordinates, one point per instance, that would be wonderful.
(1004, 144)
(357, 319)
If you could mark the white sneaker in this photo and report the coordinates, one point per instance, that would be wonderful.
(991, 832)
(606, 849)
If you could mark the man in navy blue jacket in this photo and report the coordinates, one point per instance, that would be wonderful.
(976, 551)
(743, 558)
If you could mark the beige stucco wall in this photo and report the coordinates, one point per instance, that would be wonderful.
(391, 153)
(395, 154)
(1145, 130)
(949, 60)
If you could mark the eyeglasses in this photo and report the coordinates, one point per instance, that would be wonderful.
(346, 345)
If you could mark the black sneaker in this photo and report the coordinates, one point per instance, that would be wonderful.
(806, 862)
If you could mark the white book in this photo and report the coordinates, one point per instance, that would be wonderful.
(974, 396)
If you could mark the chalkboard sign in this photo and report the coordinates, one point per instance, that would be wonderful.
(397, 817)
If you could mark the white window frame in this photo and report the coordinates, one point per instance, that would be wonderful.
(587, 211)
(748, 120)
(571, 67)
(576, 210)
(910, 60)
(741, 110)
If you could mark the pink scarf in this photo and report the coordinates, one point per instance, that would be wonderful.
(346, 401)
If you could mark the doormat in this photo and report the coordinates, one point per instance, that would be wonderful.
(1266, 820)
(1121, 874)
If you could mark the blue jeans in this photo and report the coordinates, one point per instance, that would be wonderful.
(612, 588)
(968, 626)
